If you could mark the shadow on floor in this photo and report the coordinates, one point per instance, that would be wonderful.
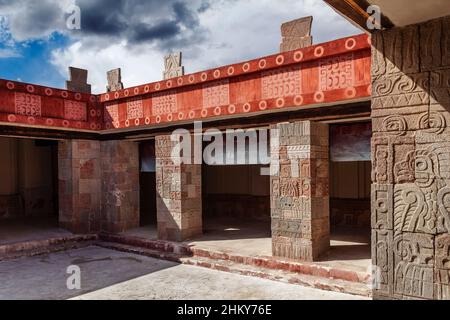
(29, 229)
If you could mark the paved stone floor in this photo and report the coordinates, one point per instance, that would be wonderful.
(108, 274)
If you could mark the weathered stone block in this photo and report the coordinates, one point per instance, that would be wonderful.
(114, 80)
(382, 206)
(442, 273)
(390, 154)
(414, 265)
(79, 185)
(296, 34)
(78, 80)
(382, 262)
(120, 187)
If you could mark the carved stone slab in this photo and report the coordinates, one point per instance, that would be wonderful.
(114, 80)
(296, 34)
(173, 66)
(78, 80)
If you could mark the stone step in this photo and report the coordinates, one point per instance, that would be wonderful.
(152, 253)
(313, 269)
(228, 265)
(39, 247)
(159, 245)
(317, 282)
(184, 250)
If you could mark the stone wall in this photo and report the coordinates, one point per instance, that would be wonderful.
(300, 192)
(79, 185)
(179, 194)
(98, 185)
(120, 185)
(411, 161)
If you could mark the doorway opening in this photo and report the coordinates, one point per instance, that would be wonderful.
(236, 209)
(350, 184)
(236, 197)
(147, 192)
(28, 190)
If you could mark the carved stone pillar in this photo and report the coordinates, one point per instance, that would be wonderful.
(300, 191)
(179, 194)
(411, 162)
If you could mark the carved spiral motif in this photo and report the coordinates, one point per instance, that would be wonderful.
(383, 88)
(403, 249)
(395, 124)
(406, 84)
(434, 122)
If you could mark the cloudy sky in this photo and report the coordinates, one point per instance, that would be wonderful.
(36, 45)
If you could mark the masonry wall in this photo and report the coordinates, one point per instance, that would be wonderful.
(120, 185)
(98, 185)
(79, 185)
(411, 161)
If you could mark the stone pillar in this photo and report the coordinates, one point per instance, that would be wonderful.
(179, 194)
(300, 191)
(411, 161)
(79, 178)
(120, 185)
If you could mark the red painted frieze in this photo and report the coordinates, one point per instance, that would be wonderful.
(327, 73)
(33, 105)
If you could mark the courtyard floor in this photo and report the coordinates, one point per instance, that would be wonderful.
(349, 247)
(108, 274)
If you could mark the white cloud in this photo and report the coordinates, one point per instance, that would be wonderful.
(9, 53)
(138, 66)
(228, 31)
(237, 30)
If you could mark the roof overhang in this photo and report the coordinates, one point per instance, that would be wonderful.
(396, 13)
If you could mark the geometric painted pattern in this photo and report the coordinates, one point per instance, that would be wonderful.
(111, 113)
(28, 104)
(164, 103)
(75, 110)
(135, 109)
(336, 72)
(216, 94)
(281, 83)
